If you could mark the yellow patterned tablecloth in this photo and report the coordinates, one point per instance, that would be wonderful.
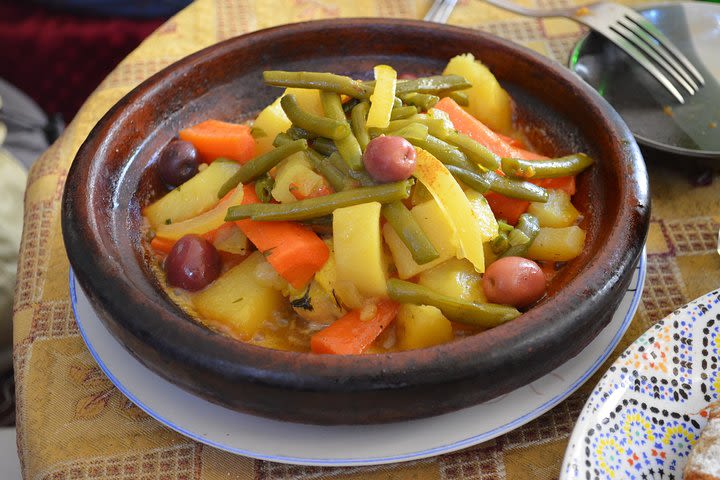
(73, 424)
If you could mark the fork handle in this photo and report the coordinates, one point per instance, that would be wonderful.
(531, 12)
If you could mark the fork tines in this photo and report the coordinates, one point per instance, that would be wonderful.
(645, 44)
(440, 11)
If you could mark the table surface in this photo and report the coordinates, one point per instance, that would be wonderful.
(72, 422)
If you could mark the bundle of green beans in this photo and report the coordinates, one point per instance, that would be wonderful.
(334, 144)
(515, 242)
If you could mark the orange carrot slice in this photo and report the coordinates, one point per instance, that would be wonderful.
(351, 334)
(566, 184)
(505, 207)
(295, 252)
(214, 139)
(162, 245)
(478, 131)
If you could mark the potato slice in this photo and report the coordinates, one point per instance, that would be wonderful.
(204, 222)
(294, 169)
(557, 244)
(238, 303)
(359, 257)
(436, 227)
(488, 101)
(557, 212)
(197, 195)
(455, 278)
(272, 119)
(421, 326)
(269, 122)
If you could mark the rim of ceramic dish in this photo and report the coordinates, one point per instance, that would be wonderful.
(437, 365)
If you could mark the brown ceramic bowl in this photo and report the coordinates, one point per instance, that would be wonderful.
(113, 174)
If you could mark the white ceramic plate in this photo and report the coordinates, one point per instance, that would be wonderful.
(648, 409)
(344, 445)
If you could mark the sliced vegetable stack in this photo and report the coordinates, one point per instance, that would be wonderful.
(365, 216)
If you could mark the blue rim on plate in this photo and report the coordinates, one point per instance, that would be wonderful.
(647, 411)
(134, 381)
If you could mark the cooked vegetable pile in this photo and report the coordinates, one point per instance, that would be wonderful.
(364, 216)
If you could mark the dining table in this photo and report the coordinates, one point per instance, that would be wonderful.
(72, 421)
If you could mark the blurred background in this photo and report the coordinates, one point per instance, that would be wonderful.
(53, 54)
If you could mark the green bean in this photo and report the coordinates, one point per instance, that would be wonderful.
(321, 126)
(321, 225)
(517, 237)
(420, 194)
(485, 315)
(258, 132)
(332, 106)
(504, 227)
(461, 98)
(443, 151)
(348, 146)
(402, 112)
(296, 133)
(424, 101)
(397, 102)
(529, 226)
(263, 187)
(557, 167)
(324, 220)
(436, 126)
(360, 176)
(515, 188)
(337, 161)
(407, 228)
(431, 85)
(489, 180)
(324, 146)
(334, 177)
(417, 131)
(282, 139)
(500, 243)
(363, 178)
(262, 164)
(472, 179)
(349, 105)
(358, 119)
(328, 82)
(319, 206)
(475, 151)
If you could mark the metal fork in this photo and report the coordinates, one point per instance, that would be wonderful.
(632, 33)
(440, 11)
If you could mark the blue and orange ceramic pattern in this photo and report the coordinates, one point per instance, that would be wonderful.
(648, 410)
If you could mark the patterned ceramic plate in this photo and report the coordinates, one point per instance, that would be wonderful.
(345, 445)
(647, 411)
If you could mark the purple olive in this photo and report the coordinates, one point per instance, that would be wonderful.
(514, 281)
(193, 263)
(178, 162)
(389, 159)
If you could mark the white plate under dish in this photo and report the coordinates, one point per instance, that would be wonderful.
(649, 408)
(303, 444)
